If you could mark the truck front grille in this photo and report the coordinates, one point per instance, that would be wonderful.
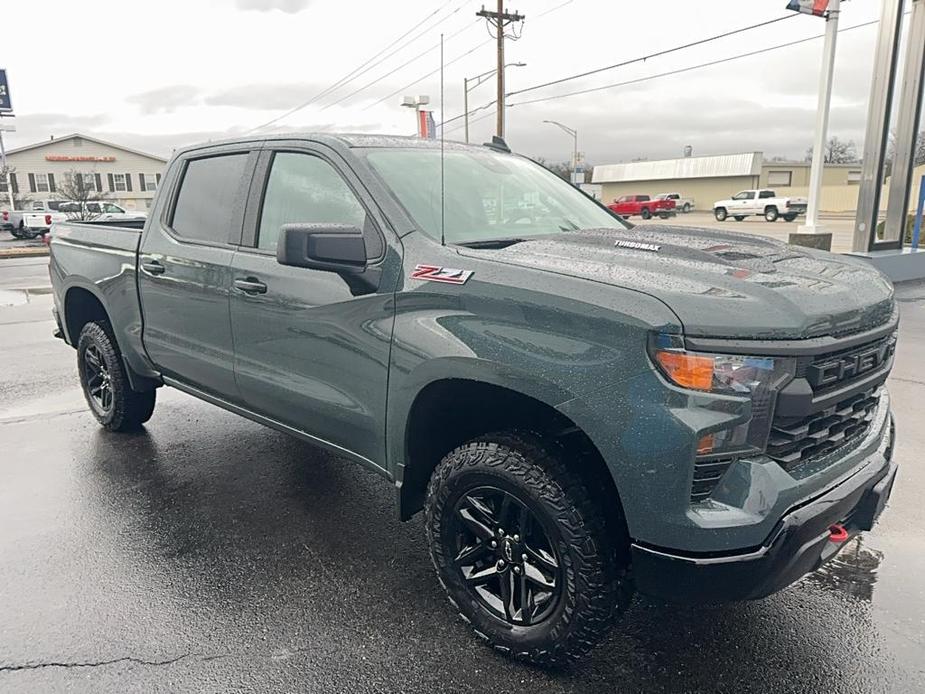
(794, 441)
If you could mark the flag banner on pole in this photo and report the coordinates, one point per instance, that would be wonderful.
(427, 128)
(815, 7)
(431, 126)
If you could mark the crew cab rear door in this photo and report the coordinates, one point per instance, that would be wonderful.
(312, 346)
(184, 273)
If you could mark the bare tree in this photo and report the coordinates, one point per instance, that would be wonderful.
(80, 190)
(564, 169)
(837, 151)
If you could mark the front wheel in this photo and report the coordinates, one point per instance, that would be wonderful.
(771, 214)
(522, 550)
(105, 384)
(720, 214)
(645, 213)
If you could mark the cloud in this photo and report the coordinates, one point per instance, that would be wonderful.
(165, 99)
(287, 6)
(269, 97)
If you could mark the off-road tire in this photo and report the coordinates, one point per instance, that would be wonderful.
(720, 214)
(596, 587)
(128, 409)
(771, 214)
(645, 214)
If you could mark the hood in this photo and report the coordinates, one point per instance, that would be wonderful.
(719, 284)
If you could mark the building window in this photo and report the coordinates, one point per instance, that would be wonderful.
(854, 178)
(148, 182)
(88, 182)
(780, 178)
(41, 183)
(118, 183)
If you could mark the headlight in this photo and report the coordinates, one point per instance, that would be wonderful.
(757, 378)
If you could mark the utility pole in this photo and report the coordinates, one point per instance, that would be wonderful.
(500, 20)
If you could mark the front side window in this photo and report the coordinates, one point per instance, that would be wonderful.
(205, 205)
(109, 208)
(488, 195)
(41, 183)
(94, 208)
(307, 189)
(745, 195)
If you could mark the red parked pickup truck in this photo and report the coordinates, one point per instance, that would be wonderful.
(644, 206)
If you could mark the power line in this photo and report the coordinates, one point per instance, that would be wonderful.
(469, 52)
(391, 72)
(356, 72)
(679, 71)
(651, 77)
(650, 56)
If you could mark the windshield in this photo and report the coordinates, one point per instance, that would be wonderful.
(489, 195)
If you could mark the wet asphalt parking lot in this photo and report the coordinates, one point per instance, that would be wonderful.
(209, 554)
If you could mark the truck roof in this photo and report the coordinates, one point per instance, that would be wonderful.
(338, 141)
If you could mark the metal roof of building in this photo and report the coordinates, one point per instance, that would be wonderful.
(746, 164)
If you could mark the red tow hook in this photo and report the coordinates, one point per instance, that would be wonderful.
(837, 533)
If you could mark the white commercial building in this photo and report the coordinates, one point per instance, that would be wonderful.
(123, 175)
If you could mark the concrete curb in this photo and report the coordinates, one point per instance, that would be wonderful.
(27, 252)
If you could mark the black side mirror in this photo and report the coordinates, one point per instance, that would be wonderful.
(331, 247)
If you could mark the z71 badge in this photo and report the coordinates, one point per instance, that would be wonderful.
(448, 275)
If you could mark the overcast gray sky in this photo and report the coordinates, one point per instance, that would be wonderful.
(183, 71)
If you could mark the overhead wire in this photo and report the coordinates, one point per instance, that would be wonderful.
(365, 66)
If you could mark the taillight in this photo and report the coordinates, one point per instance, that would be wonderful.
(6, 216)
(48, 219)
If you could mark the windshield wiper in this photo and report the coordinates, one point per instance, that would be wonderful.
(491, 243)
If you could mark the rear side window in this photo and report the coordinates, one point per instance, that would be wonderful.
(642, 198)
(764, 194)
(205, 205)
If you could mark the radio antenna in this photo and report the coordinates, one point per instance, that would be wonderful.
(442, 132)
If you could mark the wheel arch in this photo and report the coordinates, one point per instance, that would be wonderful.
(447, 412)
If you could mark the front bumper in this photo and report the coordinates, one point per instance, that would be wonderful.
(799, 544)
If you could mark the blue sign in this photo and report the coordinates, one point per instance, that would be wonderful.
(5, 104)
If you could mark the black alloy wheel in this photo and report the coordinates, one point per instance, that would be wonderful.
(505, 556)
(98, 379)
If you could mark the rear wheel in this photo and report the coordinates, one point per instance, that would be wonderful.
(686, 208)
(789, 217)
(105, 383)
(26, 232)
(720, 214)
(522, 550)
(739, 217)
(771, 214)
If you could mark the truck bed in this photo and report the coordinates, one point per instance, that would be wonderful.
(99, 261)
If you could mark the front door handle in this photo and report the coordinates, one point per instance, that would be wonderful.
(153, 267)
(250, 285)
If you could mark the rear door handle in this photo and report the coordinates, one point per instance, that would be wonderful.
(250, 285)
(153, 267)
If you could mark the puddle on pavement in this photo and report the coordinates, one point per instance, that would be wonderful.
(852, 571)
(18, 297)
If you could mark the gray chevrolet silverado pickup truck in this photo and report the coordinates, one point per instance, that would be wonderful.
(580, 407)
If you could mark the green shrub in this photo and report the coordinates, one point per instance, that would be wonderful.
(907, 238)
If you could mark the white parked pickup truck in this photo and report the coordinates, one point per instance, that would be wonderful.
(681, 203)
(99, 211)
(27, 224)
(762, 202)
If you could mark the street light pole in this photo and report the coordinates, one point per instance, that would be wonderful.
(478, 79)
(574, 134)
